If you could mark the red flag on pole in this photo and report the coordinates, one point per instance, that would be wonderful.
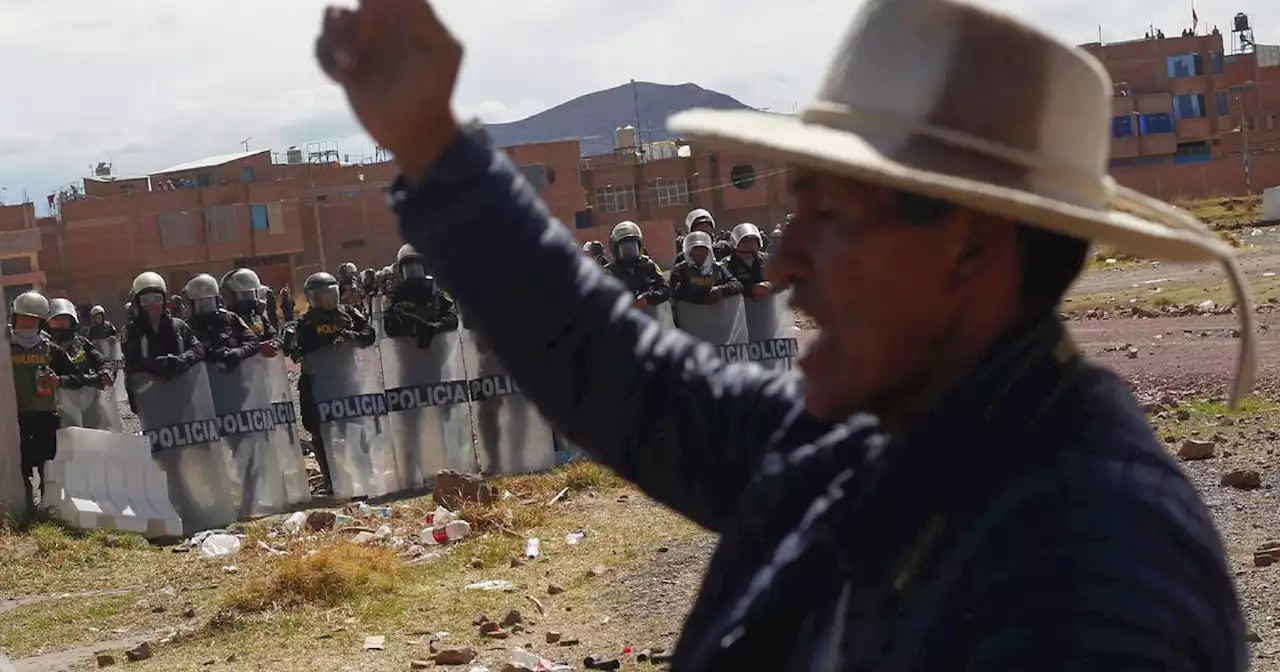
(1195, 20)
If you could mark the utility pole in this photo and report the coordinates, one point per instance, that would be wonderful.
(315, 211)
(1244, 135)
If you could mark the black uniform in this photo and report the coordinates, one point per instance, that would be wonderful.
(692, 287)
(91, 367)
(271, 309)
(748, 274)
(258, 322)
(643, 278)
(314, 330)
(227, 340)
(420, 310)
(170, 349)
(100, 332)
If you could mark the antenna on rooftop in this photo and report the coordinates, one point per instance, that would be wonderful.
(245, 142)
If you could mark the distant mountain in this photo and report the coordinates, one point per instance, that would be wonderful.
(593, 118)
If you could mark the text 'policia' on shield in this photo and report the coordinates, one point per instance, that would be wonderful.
(239, 423)
(761, 351)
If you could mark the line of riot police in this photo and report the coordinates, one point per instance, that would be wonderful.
(715, 291)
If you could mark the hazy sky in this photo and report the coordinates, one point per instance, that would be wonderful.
(148, 84)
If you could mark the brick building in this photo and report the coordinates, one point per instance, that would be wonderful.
(1185, 107)
(20, 246)
(287, 218)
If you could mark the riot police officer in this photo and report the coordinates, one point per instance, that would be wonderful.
(156, 342)
(369, 287)
(100, 329)
(747, 262)
(632, 266)
(226, 339)
(349, 285)
(594, 251)
(699, 278)
(64, 330)
(39, 368)
(242, 293)
(327, 322)
(701, 220)
(418, 308)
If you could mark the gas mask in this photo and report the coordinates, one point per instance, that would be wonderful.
(629, 250)
(204, 306)
(26, 338)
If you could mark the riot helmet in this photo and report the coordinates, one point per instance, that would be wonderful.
(202, 294)
(31, 304)
(746, 241)
(697, 249)
(150, 293)
(347, 271)
(243, 290)
(322, 291)
(409, 264)
(699, 220)
(63, 320)
(98, 314)
(626, 241)
(593, 248)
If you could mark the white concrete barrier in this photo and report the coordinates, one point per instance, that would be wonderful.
(1271, 204)
(104, 480)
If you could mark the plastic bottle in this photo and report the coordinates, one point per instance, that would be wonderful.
(441, 516)
(531, 549)
(451, 531)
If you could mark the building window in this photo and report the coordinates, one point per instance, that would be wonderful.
(551, 175)
(582, 219)
(1189, 106)
(220, 223)
(15, 265)
(258, 218)
(1216, 56)
(348, 193)
(1192, 152)
(176, 230)
(246, 174)
(743, 175)
(1122, 127)
(1184, 65)
(1155, 124)
(1224, 107)
(616, 199)
(536, 176)
(353, 244)
(664, 192)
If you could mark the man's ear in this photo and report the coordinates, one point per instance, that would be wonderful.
(973, 241)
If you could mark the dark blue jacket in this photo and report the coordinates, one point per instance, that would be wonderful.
(1030, 521)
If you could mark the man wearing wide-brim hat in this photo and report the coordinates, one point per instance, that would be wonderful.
(951, 486)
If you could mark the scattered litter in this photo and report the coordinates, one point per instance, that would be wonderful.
(342, 519)
(524, 660)
(273, 551)
(1269, 274)
(573, 538)
(531, 549)
(375, 643)
(365, 537)
(537, 603)
(294, 523)
(378, 511)
(230, 569)
(492, 584)
(558, 497)
(439, 534)
(219, 546)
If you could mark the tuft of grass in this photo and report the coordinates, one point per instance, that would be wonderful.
(328, 577)
(527, 507)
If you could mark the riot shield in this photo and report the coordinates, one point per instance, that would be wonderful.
(721, 323)
(89, 407)
(379, 303)
(771, 334)
(511, 436)
(242, 399)
(346, 383)
(110, 349)
(428, 399)
(179, 419)
(661, 313)
(288, 446)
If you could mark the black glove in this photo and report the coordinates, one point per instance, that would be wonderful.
(229, 357)
(171, 366)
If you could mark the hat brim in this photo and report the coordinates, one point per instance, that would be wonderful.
(791, 140)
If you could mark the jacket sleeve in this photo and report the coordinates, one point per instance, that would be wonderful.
(679, 290)
(728, 285)
(659, 407)
(244, 336)
(69, 376)
(393, 323)
(365, 335)
(192, 349)
(658, 292)
(97, 363)
(448, 313)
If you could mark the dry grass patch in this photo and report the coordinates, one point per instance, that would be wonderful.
(1169, 294)
(1225, 212)
(326, 578)
(1244, 435)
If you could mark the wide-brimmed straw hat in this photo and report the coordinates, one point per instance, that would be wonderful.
(965, 104)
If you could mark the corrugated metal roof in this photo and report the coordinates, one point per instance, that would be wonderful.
(210, 162)
(115, 178)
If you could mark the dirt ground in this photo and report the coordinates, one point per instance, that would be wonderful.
(65, 598)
